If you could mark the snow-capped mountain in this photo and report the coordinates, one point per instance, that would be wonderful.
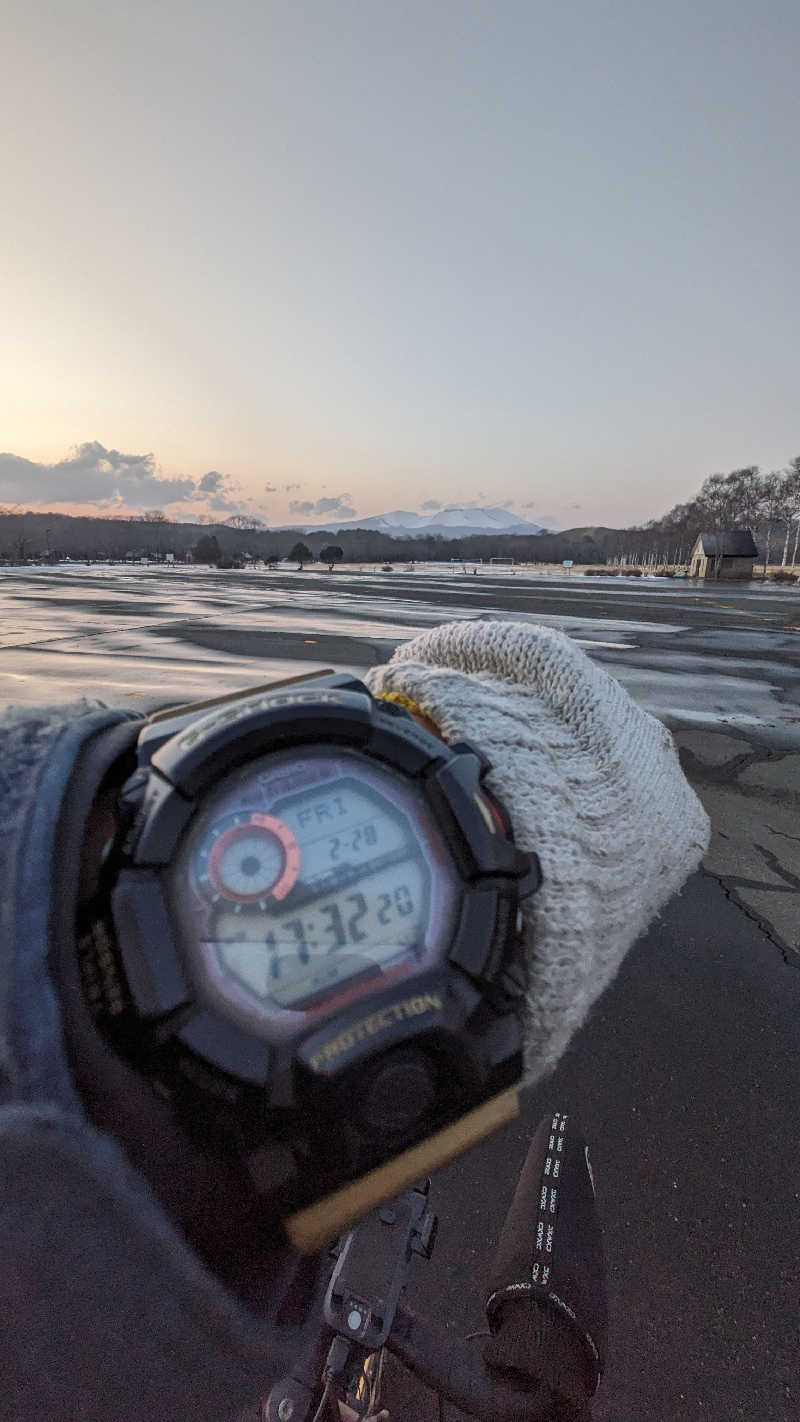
(456, 521)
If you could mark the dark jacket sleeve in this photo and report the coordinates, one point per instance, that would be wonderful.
(104, 1310)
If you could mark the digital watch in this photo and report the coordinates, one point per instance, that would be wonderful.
(312, 944)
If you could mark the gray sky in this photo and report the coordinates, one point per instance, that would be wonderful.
(387, 252)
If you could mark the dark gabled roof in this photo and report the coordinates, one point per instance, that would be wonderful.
(736, 543)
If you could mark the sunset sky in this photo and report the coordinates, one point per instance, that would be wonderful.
(322, 255)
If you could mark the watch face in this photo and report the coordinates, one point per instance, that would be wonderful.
(307, 880)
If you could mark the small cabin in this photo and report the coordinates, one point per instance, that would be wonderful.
(734, 551)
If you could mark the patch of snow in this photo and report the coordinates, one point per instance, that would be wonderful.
(455, 521)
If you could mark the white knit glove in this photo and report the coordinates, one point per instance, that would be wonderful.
(592, 783)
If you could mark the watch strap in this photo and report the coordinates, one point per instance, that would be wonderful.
(40, 751)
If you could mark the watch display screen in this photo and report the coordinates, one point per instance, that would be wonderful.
(305, 879)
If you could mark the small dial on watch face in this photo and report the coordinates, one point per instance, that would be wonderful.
(248, 858)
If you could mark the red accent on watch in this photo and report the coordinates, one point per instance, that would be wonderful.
(287, 877)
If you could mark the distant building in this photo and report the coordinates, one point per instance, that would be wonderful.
(735, 552)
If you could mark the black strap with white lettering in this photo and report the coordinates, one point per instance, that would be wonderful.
(547, 1301)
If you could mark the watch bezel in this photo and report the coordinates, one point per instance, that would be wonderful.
(479, 1015)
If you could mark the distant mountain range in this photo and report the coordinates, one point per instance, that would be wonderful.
(454, 522)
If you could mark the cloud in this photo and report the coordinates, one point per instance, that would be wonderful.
(270, 488)
(340, 505)
(224, 504)
(91, 474)
(94, 475)
(531, 504)
(220, 489)
(576, 506)
(211, 482)
(289, 487)
(431, 504)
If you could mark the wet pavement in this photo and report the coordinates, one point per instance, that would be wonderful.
(685, 1075)
(685, 1082)
(690, 654)
(719, 665)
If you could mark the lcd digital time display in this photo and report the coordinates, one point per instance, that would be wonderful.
(303, 878)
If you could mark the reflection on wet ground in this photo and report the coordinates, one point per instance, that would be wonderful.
(689, 653)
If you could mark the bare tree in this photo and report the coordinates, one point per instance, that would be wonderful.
(792, 490)
(20, 544)
(716, 503)
(744, 486)
(774, 504)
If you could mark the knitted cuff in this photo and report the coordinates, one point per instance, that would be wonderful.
(593, 785)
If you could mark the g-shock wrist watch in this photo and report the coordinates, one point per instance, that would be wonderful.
(311, 943)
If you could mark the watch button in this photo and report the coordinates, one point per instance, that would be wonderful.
(161, 819)
(401, 1092)
(480, 844)
(476, 931)
(144, 935)
(467, 747)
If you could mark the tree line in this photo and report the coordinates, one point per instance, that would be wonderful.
(52, 537)
(767, 504)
